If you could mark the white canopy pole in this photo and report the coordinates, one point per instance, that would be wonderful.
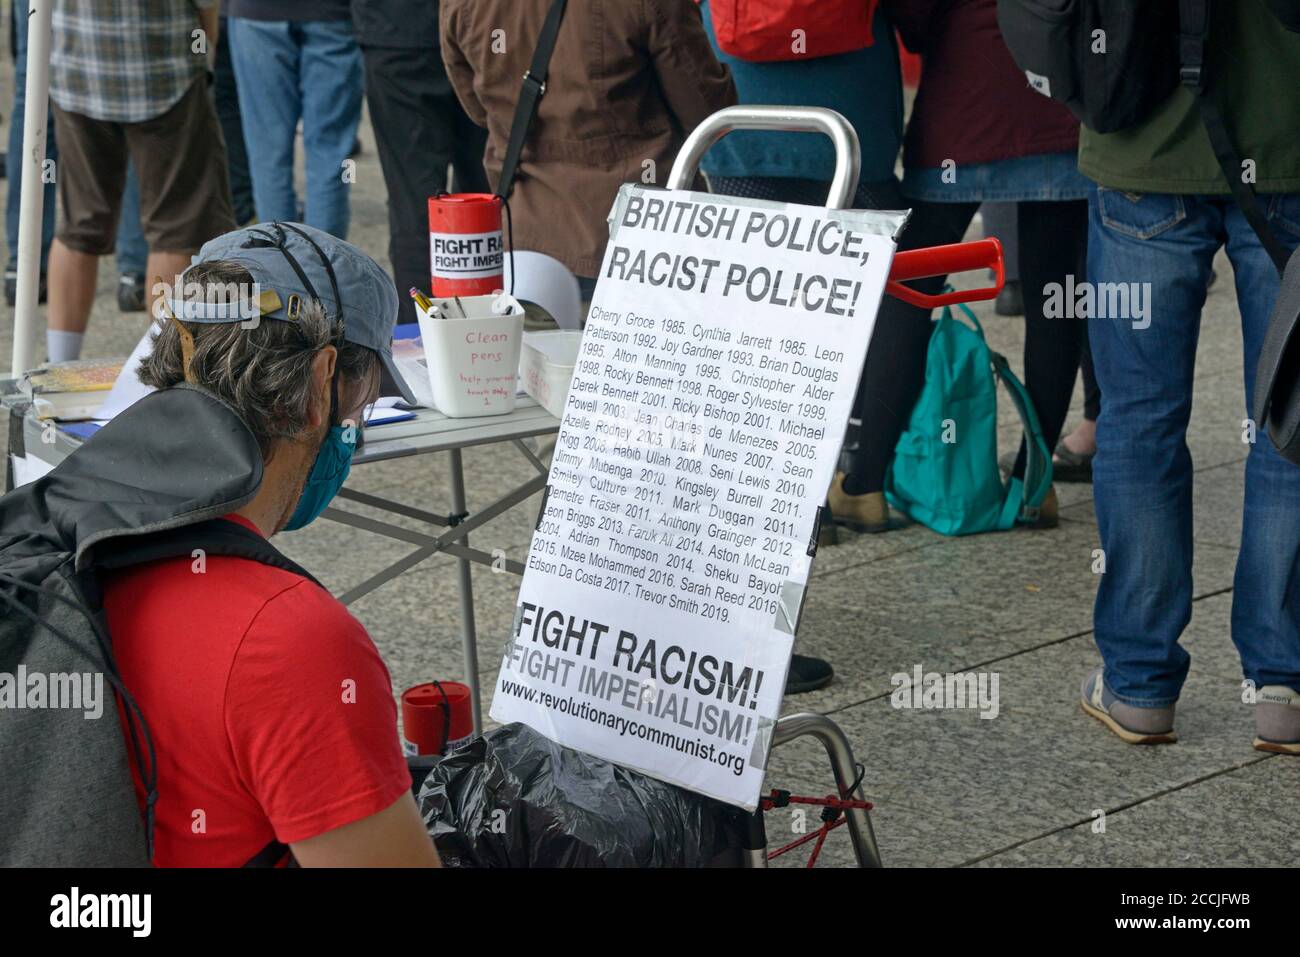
(30, 211)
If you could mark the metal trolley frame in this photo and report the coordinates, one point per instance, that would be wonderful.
(907, 265)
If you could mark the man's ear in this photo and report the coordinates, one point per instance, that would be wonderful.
(322, 374)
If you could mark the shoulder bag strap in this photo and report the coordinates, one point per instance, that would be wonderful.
(530, 96)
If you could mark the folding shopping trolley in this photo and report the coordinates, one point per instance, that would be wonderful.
(848, 805)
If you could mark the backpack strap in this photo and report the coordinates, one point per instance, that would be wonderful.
(1193, 30)
(1024, 497)
(214, 537)
(530, 96)
(271, 855)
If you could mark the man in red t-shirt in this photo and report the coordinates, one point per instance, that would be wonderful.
(270, 711)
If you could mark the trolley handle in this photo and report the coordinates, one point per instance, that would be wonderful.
(914, 264)
(943, 261)
(798, 119)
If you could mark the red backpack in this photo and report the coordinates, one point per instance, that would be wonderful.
(763, 30)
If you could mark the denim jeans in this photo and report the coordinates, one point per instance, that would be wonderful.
(289, 71)
(131, 249)
(1142, 475)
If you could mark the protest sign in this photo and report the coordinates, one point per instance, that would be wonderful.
(664, 582)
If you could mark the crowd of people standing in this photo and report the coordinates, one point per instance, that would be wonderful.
(176, 120)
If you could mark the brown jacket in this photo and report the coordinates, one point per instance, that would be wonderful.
(628, 80)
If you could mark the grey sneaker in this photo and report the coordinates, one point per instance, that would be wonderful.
(1277, 720)
(1134, 725)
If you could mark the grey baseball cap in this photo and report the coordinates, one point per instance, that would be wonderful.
(293, 263)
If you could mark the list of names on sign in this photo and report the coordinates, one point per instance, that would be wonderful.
(663, 585)
(682, 477)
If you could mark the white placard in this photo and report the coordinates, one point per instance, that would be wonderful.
(664, 583)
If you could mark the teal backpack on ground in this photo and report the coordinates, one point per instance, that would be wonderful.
(945, 470)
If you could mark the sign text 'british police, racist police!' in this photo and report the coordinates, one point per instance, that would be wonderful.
(723, 223)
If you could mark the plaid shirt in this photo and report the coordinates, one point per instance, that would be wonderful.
(124, 61)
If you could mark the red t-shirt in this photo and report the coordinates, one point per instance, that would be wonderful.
(270, 709)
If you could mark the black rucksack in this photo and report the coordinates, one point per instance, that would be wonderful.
(1112, 62)
(151, 484)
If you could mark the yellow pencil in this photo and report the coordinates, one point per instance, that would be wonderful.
(421, 300)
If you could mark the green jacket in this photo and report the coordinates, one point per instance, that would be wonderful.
(1255, 78)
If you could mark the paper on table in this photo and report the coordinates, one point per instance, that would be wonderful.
(128, 389)
(28, 468)
(408, 354)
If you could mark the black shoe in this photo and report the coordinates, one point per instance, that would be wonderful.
(807, 674)
(1011, 300)
(11, 288)
(130, 293)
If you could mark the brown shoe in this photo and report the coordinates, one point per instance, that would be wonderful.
(862, 513)
(1049, 512)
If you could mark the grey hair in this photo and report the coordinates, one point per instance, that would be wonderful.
(263, 372)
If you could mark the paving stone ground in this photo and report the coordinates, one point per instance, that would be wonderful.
(1026, 788)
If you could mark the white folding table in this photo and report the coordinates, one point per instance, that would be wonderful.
(429, 432)
(432, 432)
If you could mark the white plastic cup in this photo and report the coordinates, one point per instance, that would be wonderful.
(473, 360)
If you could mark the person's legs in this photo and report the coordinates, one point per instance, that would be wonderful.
(1091, 394)
(1160, 247)
(72, 294)
(265, 56)
(413, 114)
(225, 90)
(330, 90)
(180, 159)
(132, 250)
(895, 368)
(1053, 246)
(1001, 220)
(14, 156)
(92, 175)
(467, 172)
(1266, 588)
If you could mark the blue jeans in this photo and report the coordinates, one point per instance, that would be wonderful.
(1142, 475)
(289, 71)
(131, 248)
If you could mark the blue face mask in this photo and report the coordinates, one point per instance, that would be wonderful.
(328, 473)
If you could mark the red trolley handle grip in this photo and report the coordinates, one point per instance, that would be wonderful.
(943, 261)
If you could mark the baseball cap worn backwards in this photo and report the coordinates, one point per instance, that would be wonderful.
(292, 264)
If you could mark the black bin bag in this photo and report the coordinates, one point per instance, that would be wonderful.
(513, 798)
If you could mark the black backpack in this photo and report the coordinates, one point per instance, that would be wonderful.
(1112, 62)
(150, 485)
